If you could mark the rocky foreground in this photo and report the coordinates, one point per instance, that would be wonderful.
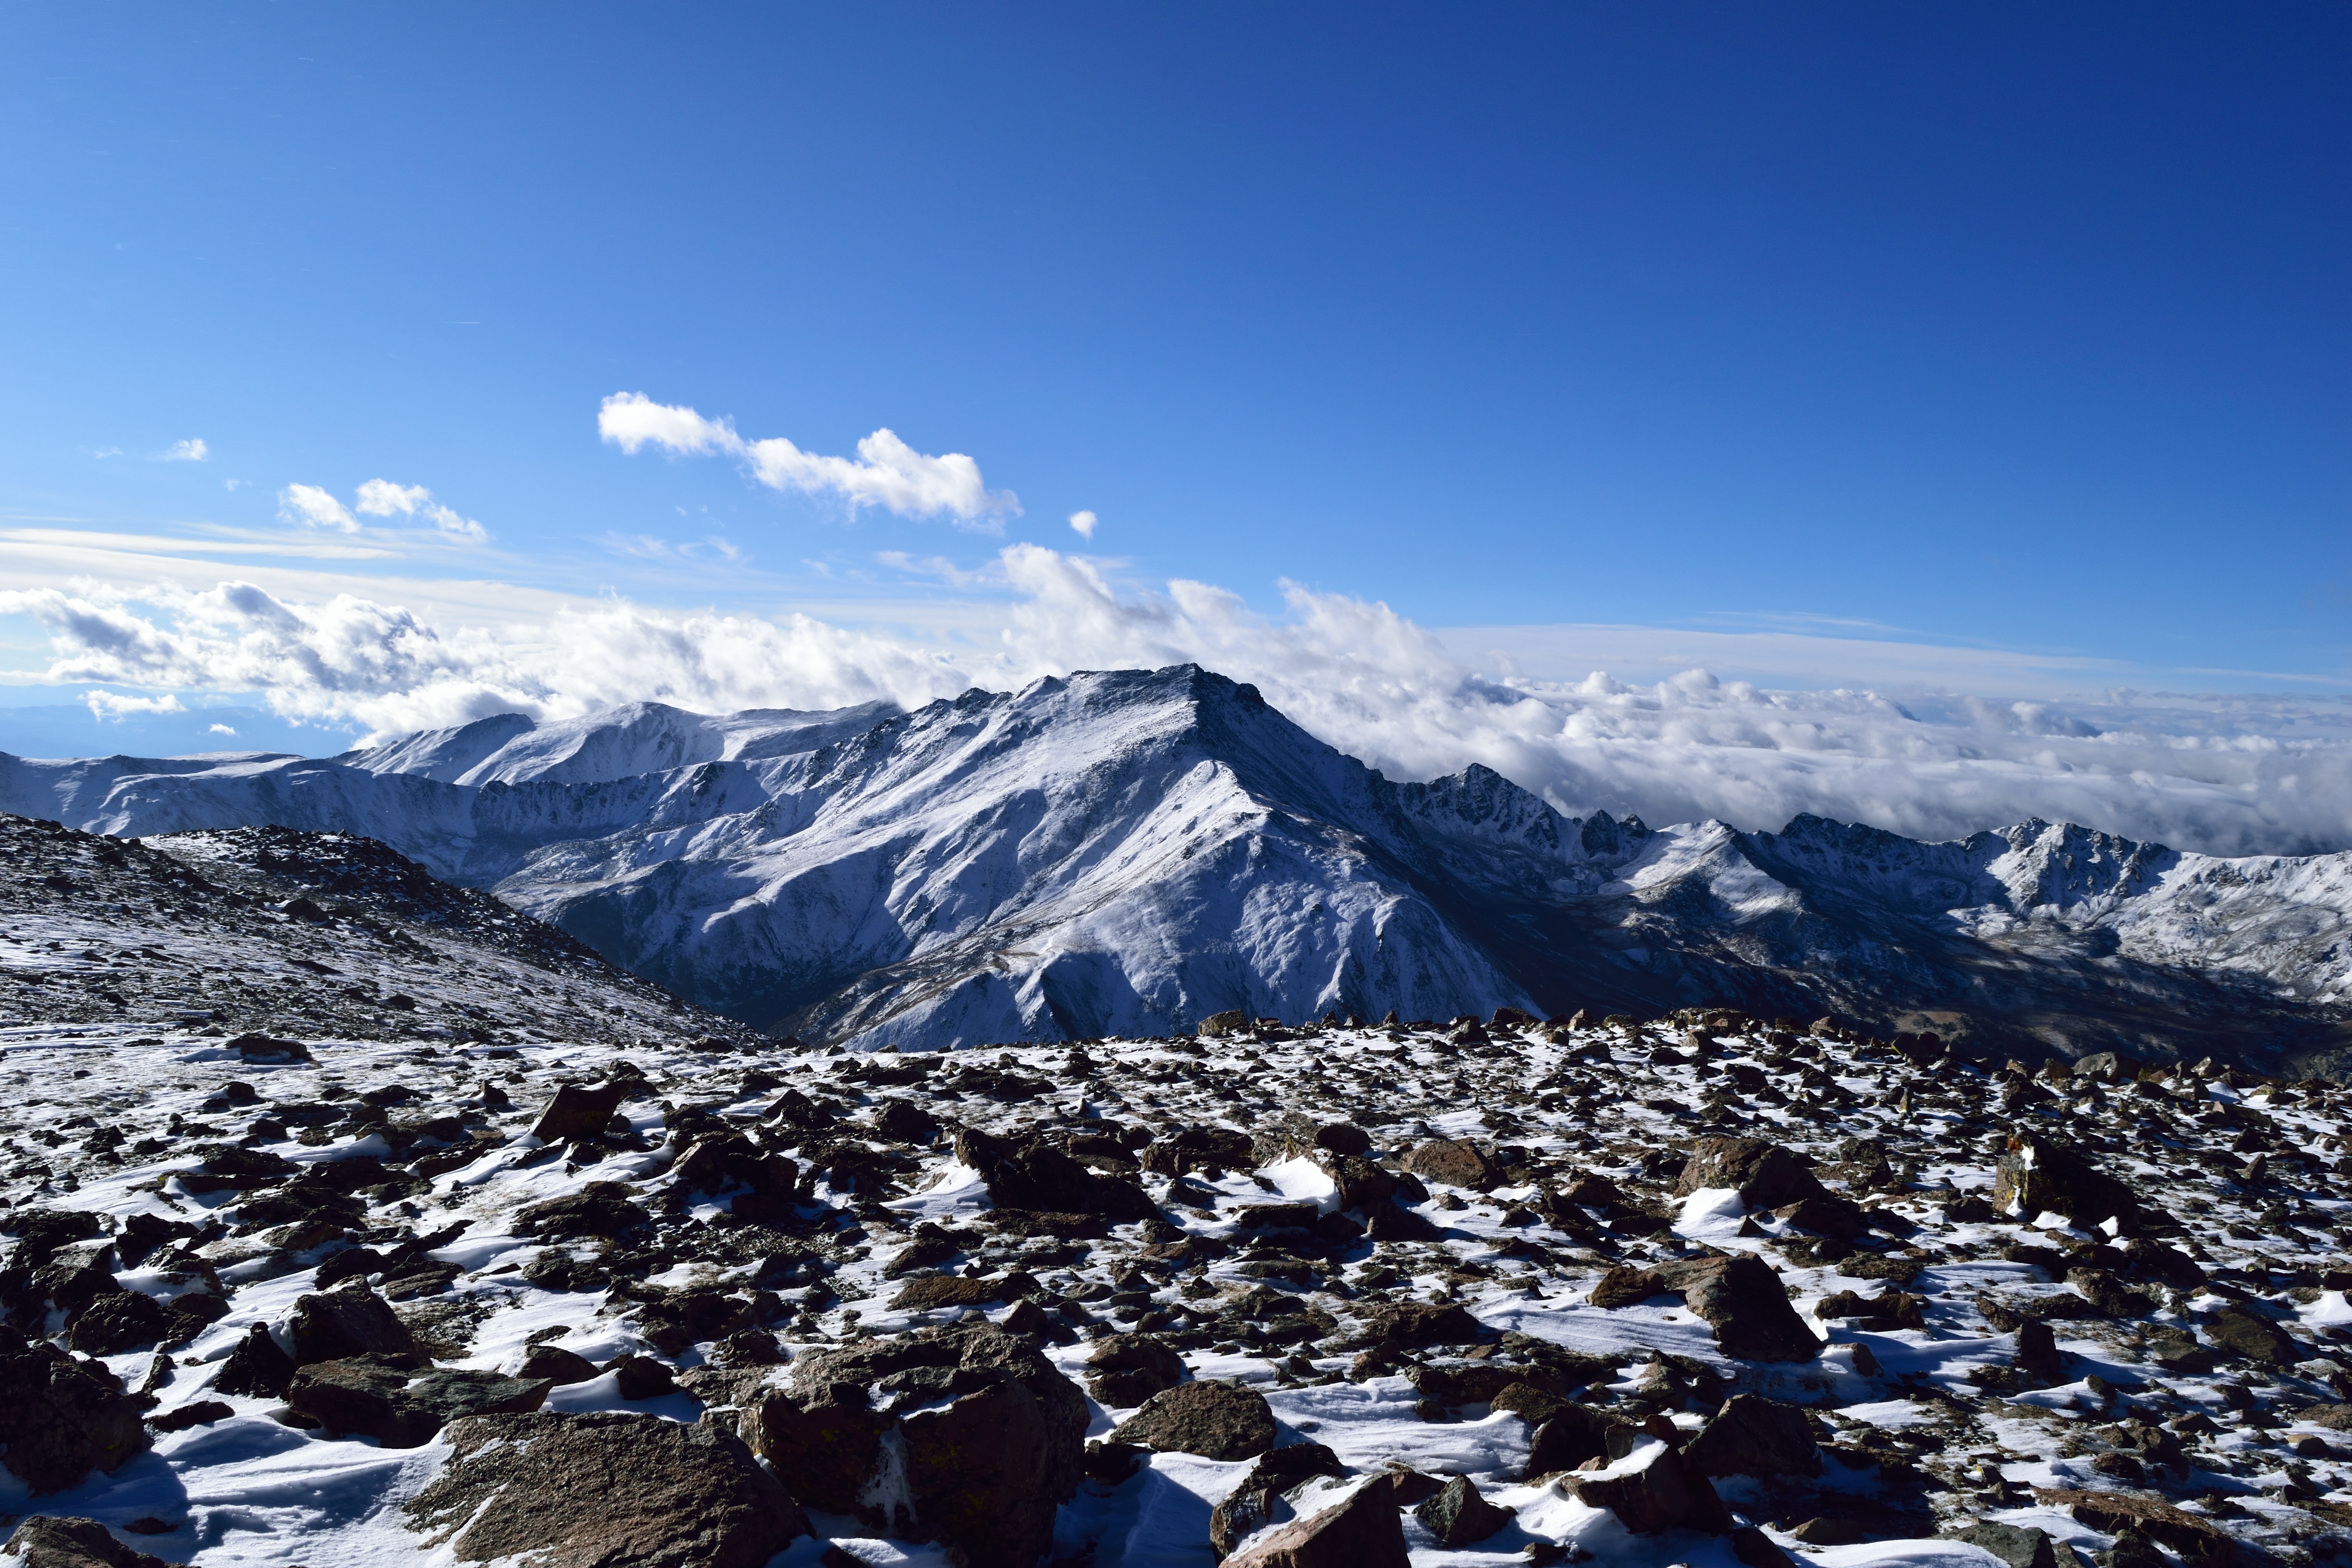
(358, 1220)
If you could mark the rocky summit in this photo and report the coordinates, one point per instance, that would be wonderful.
(354, 1217)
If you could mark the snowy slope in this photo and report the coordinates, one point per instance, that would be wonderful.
(1129, 851)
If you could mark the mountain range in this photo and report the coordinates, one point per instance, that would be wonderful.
(1128, 852)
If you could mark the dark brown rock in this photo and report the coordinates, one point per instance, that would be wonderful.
(1125, 1370)
(2036, 1176)
(1765, 1175)
(368, 1396)
(117, 1321)
(604, 1491)
(556, 1367)
(1361, 1532)
(577, 1111)
(61, 1418)
(935, 1293)
(1623, 1286)
(2236, 1331)
(1569, 1438)
(995, 1440)
(1752, 1435)
(601, 1209)
(1654, 1490)
(48, 1542)
(1747, 1306)
(1251, 1505)
(348, 1320)
(256, 1366)
(1458, 1516)
(1417, 1324)
(2020, 1546)
(1215, 1420)
(2197, 1539)
(1455, 1161)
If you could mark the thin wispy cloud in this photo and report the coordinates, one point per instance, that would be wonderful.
(2229, 774)
(886, 472)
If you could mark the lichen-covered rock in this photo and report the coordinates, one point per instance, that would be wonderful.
(1125, 1370)
(1765, 1175)
(966, 1434)
(1455, 1161)
(348, 1320)
(1747, 1306)
(604, 1490)
(1457, 1516)
(368, 1396)
(1652, 1489)
(1215, 1420)
(1253, 1505)
(1752, 1436)
(46, 1541)
(2038, 1176)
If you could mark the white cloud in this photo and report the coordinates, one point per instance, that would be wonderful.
(105, 705)
(382, 498)
(314, 507)
(193, 450)
(1084, 521)
(2234, 774)
(222, 730)
(886, 472)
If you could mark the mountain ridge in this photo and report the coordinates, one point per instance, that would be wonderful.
(1130, 851)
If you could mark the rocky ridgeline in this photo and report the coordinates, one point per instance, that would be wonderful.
(1702, 1289)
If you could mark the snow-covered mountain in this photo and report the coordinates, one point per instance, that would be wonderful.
(1130, 851)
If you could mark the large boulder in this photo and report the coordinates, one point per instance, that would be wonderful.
(1747, 1306)
(604, 1490)
(1652, 1489)
(2038, 1176)
(60, 1417)
(1765, 1175)
(1454, 1161)
(577, 1111)
(348, 1320)
(369, 1396)
(2249, 1336)
(45, 1540)
(118, 1320)
(1254, 1504)
(1457, 1516)
(1125, 1370)
(1572, 1435)
(1752, 1436)
(1037, 1175)
(1338, 1526)
(1215, 1420)
(966, 1434)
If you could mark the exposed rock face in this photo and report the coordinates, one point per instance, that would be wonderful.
(604, 1491)
(983, 1471)
(1755, 1436)
(45, 1542)
(2196, 1538)
(1360, 1529)
(1253, 1505)
(60, 1417)
(369, 1396)
(1214, 1420)
(1747, 1306)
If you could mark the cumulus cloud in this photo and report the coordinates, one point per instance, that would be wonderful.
(1084, 521)
(192, 451)
(222, 730)
(2225, 774)
(314, 507)
(382, 498)
(886, 472)
(105, 705)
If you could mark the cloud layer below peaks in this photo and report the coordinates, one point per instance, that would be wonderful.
(2231, 776)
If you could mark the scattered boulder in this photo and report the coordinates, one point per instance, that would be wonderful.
(602, 1210)
(2020, 1546)
(1752, 1436)
(1622, 1285)
(1128, 1369)
(348, 1320)
(1454, 1161)
(369, 1396)
(60, 1417)
(1232, 1021)
(2037, 1175)
(578, 1112)
(1573, 1436)
(1343, 1139)
(1457, 1516)
(556, 1367)
(2198, 1539)
(1215, 1420)
(45, 1540)
(994, 1438)
(1747, 1306)
(256, 1366)
(1765, 1175)
(40, 1232)
(1254, 1504)
(937, 1292)
(2236, 1331)
(606, 1489)
(1652, 1489)
(1340, 1527)
(118, 1320)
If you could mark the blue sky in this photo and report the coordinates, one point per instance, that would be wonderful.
(1995, 347)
